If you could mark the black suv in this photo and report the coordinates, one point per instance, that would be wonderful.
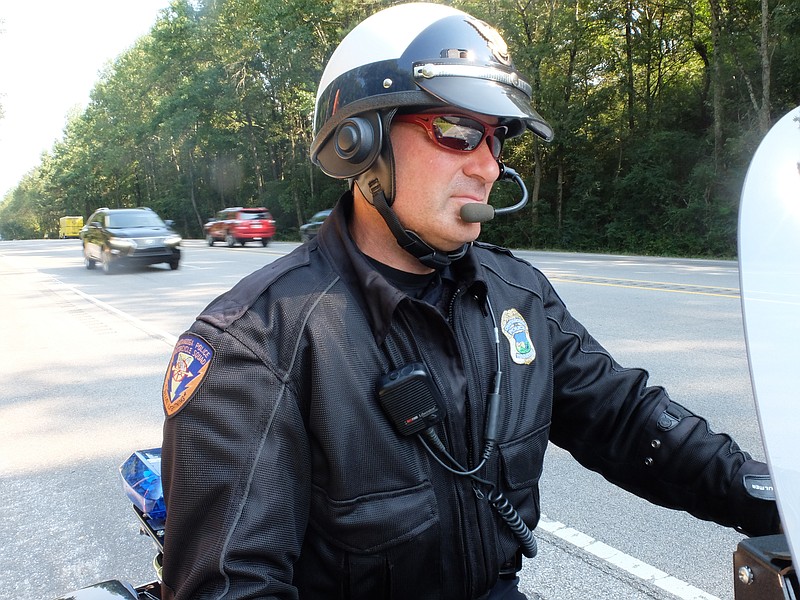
(309, 230)
(113, 236)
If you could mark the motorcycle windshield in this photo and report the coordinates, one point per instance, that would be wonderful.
(769, 270)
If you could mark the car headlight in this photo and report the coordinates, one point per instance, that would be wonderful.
(121, 243)
(172, 240)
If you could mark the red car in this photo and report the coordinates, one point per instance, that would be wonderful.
(240, 225)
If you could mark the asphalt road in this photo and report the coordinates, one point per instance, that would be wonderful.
(83, 354)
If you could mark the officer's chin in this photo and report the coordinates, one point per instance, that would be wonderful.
(469, 233)
(472, 231)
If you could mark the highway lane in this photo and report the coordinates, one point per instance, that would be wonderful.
(681, 320)
(86, 353)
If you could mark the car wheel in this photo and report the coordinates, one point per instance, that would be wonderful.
(108, 265)
(264, 242)
(174, 264)
(210, 240)
(89, 263)
(230, 240)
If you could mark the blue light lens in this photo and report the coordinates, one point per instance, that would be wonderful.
(141, 480)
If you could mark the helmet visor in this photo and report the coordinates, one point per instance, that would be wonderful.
(484, 90)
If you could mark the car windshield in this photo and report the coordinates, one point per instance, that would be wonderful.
(246, 216)
(133, 219)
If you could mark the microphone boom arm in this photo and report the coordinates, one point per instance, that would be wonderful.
(478, 212)
(509, 174)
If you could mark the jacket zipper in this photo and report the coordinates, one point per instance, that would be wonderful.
(457, 295)
(473, 383)
(470, 438)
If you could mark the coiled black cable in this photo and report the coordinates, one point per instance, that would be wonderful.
(509, 514)
(495, 497)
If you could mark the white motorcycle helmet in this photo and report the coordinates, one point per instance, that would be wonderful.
(408, 57)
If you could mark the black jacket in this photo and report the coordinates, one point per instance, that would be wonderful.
(284, 477)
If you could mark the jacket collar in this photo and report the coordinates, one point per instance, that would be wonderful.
(377, 297)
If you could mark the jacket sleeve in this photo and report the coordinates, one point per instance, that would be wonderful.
(236, 477)
(612, 422)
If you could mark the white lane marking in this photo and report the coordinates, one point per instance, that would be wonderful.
(170, 339)
(626, 562)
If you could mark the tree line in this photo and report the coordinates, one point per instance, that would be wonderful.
(658, 106)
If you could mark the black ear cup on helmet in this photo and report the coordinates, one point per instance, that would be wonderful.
(354, 139)
(352, 147)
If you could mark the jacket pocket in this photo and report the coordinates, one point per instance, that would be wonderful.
(375, 522)
(522, 459)
(379, 546)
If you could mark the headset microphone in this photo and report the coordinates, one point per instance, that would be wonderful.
(476, 212)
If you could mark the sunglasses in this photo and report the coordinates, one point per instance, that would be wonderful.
(458, 132)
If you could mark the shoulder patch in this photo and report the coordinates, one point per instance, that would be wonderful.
(187, 369)
(519, 338)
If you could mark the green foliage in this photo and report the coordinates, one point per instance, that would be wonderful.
(213, 108)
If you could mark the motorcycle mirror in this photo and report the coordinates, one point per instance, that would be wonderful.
(769, 271)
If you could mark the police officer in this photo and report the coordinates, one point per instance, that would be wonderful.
(366, 418)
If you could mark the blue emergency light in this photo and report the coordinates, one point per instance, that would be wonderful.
(141, 479)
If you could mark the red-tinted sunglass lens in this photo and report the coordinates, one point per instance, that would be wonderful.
(458, 133)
